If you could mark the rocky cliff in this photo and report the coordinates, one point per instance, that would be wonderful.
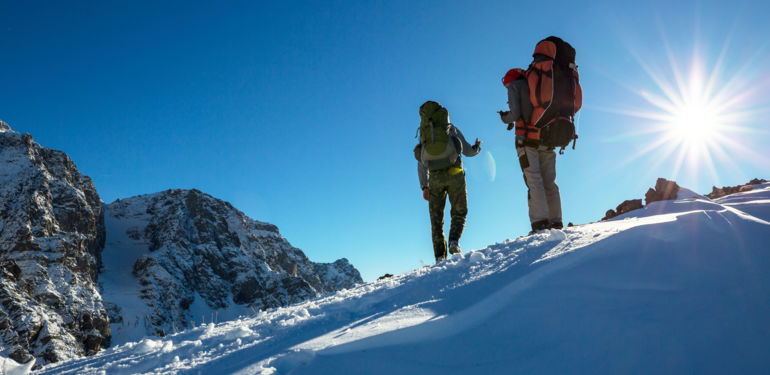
(51, 237)
(192, 255)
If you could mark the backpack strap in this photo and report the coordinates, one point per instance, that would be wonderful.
(537, 86)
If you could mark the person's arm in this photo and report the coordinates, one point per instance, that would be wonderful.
(466, 147)
(514, 114)
(422, 173)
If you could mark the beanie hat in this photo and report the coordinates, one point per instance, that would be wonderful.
(512, 75)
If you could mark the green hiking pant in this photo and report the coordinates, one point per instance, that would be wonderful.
(441, 184)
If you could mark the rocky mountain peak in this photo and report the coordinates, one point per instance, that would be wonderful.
(77, 274)
(192, 253)
(51, 237)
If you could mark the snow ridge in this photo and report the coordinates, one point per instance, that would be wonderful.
(676, 287)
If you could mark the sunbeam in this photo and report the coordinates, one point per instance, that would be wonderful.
(695, 112)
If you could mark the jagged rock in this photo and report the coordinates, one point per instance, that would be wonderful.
(193, 249)
(727, 190)
(626, 206)
(385, 276)
(51, 238)
(664, 190)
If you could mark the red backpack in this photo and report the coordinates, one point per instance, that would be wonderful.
(555, 93)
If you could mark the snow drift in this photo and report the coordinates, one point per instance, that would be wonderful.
(676, 287)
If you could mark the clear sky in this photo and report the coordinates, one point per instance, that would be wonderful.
(303, 113)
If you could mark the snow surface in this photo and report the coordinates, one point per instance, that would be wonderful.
(677, 287)
(11, 367)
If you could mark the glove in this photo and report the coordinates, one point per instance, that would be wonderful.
(503, 114)
(425, 194)
(510, 126)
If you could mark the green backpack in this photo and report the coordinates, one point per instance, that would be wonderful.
(438, 151)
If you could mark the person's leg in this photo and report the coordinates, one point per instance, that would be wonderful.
(437, 199)
(458, 198)
(553, 198)
(536, 199)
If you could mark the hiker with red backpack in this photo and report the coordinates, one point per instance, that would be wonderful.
(441, 175)
(543, 101)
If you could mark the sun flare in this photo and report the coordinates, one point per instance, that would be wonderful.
(694, 120)
(694, 123)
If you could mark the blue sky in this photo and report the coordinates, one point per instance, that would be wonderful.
(303, 114)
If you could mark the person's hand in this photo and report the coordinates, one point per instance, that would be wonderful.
(477, 144)
(425, 193)
(510, 126)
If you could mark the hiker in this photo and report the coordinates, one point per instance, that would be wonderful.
(440, 171)
(542, 102)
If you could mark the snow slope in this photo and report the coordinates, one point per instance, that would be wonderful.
(676, 287)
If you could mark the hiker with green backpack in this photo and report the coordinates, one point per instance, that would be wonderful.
(440, 172)
(543, 101)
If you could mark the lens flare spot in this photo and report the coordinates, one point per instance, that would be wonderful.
(491, 166)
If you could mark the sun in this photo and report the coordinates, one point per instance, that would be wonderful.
(694, 121)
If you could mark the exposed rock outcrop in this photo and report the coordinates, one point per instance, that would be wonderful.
(51, 237)
(626, 206)
(727, 190)
(664, 190)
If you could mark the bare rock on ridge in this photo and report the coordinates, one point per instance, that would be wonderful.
(664, 190)
(727, 190)
(626, 206)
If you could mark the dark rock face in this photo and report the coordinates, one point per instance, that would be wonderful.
(664, 190)
(202, 248)
(51, 237)
(626, 206)
(727, 190)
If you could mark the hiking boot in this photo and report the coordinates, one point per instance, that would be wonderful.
(454, 247)
(556, 225)
(540, 225)
(440, 259)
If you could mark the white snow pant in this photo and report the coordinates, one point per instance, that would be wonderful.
(540, 177)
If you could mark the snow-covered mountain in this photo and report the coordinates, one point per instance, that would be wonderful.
(181, 256)
(51, 237)
(675, 287)
(171, 259)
